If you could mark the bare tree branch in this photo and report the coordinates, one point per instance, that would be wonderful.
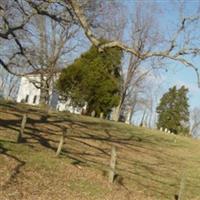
(166, 53)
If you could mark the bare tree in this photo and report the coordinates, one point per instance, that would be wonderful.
(49, 49)
(141, 102)
(15, 17)
(179, 45)
(13, 21)
(61, 11)
(148, 101)
(107, 18)
(143, 37)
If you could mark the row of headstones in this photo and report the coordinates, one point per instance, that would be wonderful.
(165, 130)
(93, 114)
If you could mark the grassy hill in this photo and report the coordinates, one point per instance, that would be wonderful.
(150, 164)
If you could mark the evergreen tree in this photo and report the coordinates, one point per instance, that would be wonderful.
(173, 111)
(94, 78)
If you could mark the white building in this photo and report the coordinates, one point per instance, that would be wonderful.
(29, 93)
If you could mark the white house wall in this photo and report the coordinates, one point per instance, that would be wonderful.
(28, 88)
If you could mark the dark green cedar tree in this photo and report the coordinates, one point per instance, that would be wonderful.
(94, 78)
(173, 111)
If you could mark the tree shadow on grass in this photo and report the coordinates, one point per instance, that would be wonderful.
(17, 169)
(89, 144)
(85, 138)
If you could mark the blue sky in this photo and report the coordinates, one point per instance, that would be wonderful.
(179, 76)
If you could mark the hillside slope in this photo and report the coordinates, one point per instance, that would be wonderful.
(150, 164)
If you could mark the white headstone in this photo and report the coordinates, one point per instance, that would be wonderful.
(93, 113)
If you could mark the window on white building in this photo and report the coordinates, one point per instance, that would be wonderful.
(26, 99)
(34, 99)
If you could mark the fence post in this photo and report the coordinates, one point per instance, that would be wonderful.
(21, 131)
(182, 186)
(62, 138)
(112, 164)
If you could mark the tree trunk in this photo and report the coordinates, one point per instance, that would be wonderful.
(42, 96)
(143, 117)
(117, 110)
(44, 91)
(128, 116)
(146, 121)
(132, 112)
(150, 120)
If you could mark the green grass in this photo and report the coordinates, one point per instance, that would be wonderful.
(150, 165)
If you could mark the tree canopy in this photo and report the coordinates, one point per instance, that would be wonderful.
(93, 79)
(173, 111)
